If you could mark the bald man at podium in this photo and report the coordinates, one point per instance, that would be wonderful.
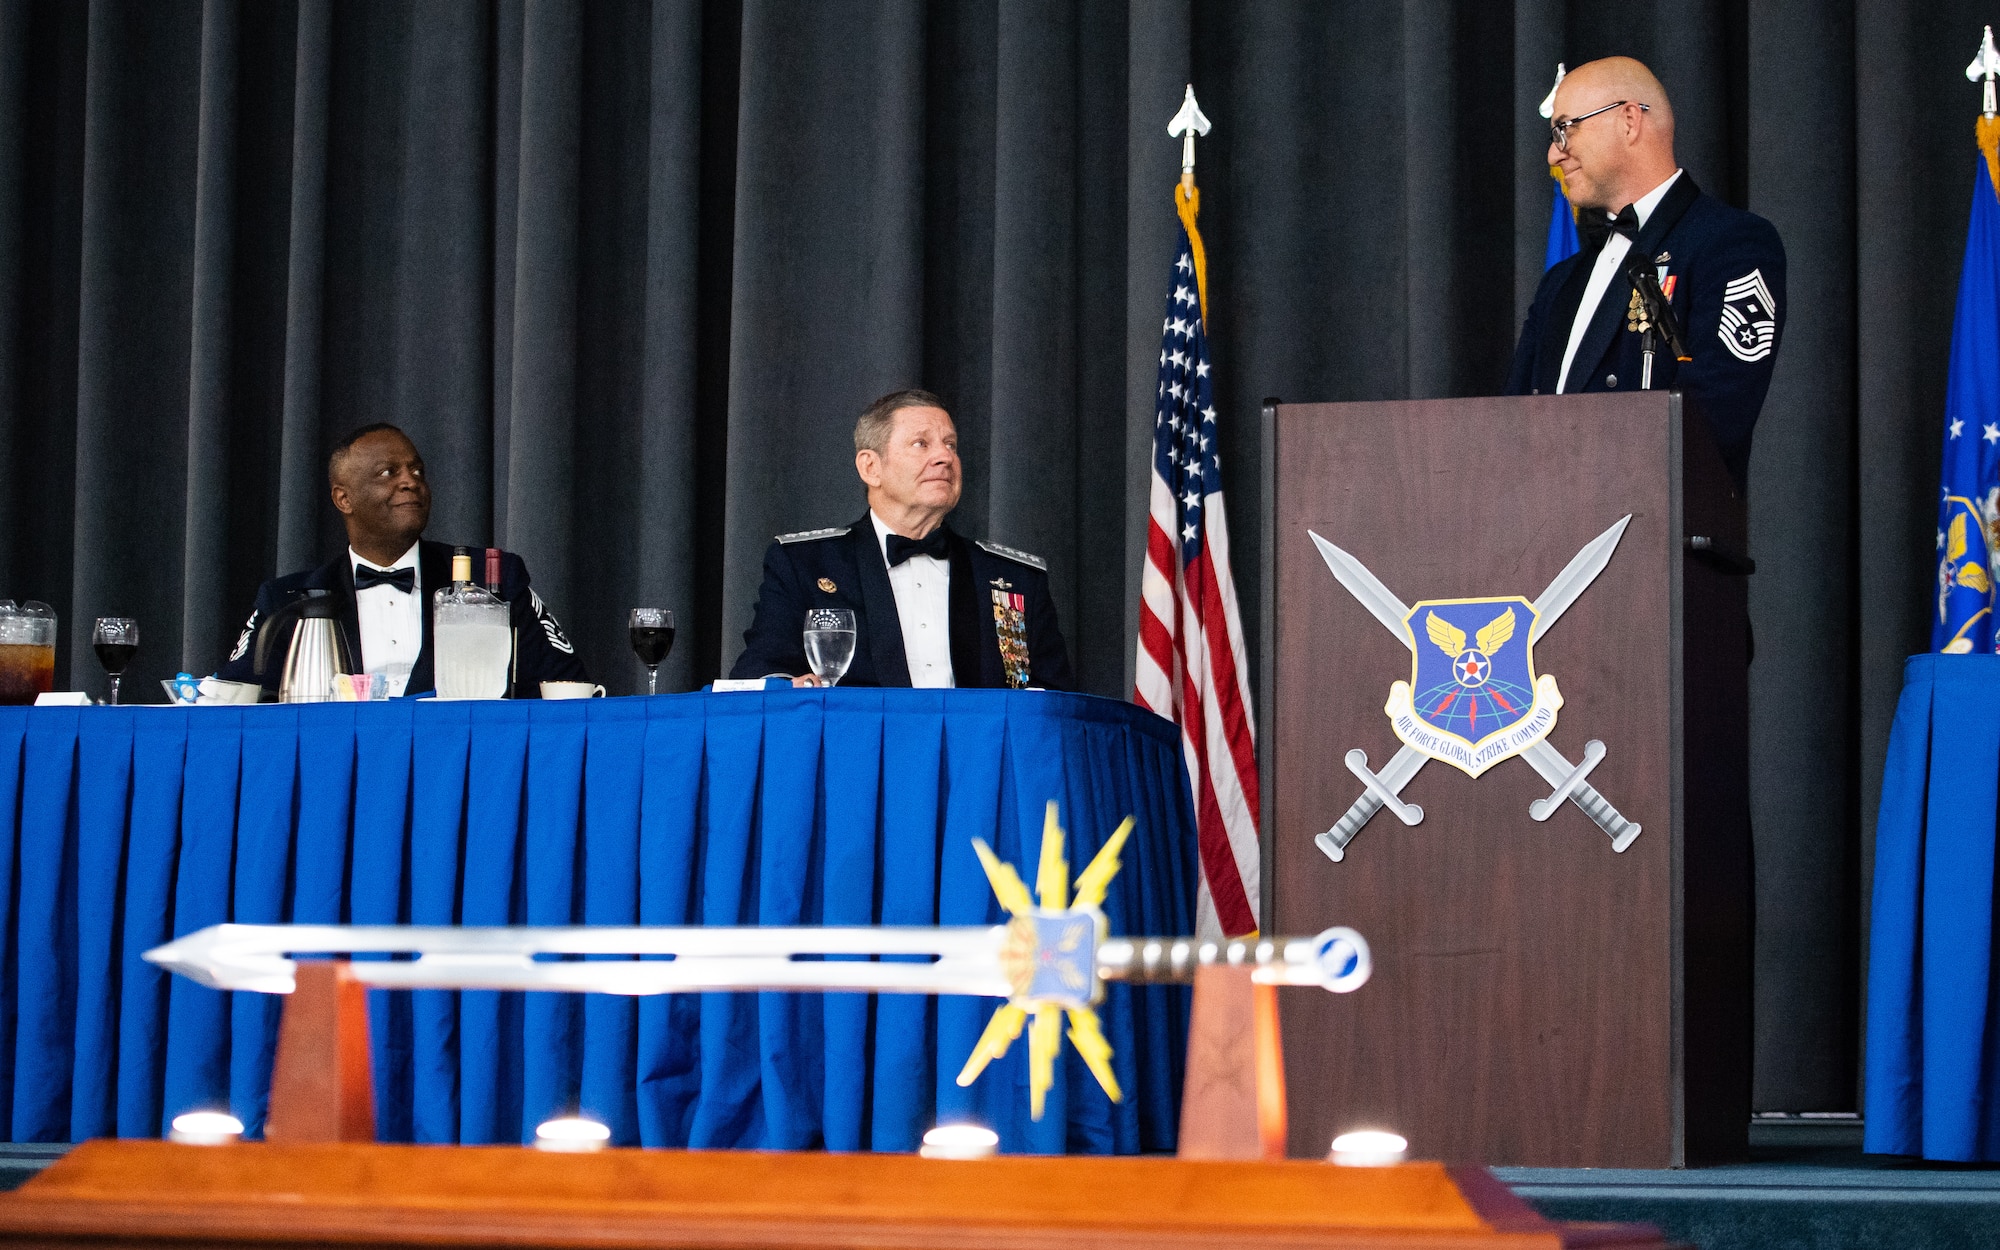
(1721, 269)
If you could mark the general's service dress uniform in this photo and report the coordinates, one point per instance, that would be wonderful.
(1722, 269)
(542, 652)
(1003, 629)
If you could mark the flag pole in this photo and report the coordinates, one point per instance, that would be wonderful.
(1985, 68)
(1186, 124)
(1189, 122)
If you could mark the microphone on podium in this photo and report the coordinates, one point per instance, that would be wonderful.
(1655, 317)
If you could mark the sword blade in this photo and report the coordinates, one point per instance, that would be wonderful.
(968, 959)
(259, 957)
(1396, 774)
(1367, 589)
(1576, 578)
(1554, 766)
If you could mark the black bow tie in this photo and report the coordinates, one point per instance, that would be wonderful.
(1597, 228)
(933, 544)
(404, 580)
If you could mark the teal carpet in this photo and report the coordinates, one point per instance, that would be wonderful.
(1807, 1187)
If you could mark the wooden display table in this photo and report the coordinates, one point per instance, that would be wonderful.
(158, 1193)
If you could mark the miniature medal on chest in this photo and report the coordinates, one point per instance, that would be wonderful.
(1010, 626)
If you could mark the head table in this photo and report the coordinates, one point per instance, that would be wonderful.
(126, 827)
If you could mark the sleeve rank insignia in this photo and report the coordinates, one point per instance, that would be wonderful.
(806, 536)
(1019, 557)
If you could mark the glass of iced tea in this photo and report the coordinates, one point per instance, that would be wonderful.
(27, 651)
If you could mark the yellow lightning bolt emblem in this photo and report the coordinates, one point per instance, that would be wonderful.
(1026, 955)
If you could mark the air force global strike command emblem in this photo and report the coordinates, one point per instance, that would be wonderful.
(1474, 698)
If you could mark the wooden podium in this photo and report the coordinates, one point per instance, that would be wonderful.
(1538, 999)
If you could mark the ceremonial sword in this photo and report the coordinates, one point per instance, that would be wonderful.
(1049, 961)
(960, 959)
(1543, 757)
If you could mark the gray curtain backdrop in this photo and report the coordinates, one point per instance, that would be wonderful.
(627, 272)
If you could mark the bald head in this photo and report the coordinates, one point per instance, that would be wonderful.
(1617, 156)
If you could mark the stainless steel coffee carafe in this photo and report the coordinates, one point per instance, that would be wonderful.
(318, 650)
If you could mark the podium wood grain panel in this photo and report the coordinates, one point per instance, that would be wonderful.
(1530, 1003)
(139, 1192)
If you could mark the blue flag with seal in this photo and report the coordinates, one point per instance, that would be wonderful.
(1562, 242)
(1969, 508)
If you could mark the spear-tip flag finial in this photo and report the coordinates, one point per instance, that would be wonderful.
(1549, 100)
(1186, 124)
(1984, 69)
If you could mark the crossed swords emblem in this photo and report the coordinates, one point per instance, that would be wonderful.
(1381, 789)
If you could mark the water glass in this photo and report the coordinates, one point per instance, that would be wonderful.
(830, 643)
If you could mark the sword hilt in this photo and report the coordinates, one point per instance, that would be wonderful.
(1334, 841)
(1608, 818)
(1337, 959)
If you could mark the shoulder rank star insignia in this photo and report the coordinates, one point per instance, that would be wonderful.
(1473, 698)
(1016, 554)
(1051, 962)
(826, 584)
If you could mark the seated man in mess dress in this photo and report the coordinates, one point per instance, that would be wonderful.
(384, 580)
(931, 608)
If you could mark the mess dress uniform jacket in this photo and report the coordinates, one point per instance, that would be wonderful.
(542, 652)
(1727, 272)
(844, 568)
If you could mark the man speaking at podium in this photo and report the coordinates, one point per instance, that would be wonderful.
(1721, 269)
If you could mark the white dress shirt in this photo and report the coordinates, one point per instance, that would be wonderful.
(392, 623)
(922, 585)
(1609, 261)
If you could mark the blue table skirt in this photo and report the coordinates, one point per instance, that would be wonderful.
(1933, 1066)
(128, 826)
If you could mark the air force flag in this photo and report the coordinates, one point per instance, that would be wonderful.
(1969, 507)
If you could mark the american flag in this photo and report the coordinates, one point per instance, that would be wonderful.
(1192, 667)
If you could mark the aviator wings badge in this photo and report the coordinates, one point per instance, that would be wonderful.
(1474, 698)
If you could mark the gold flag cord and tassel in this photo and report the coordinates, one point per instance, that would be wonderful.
(1987, 132)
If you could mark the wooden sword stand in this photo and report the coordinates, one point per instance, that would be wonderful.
(321, 1179)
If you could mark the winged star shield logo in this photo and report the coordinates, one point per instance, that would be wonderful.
(1473, 698)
